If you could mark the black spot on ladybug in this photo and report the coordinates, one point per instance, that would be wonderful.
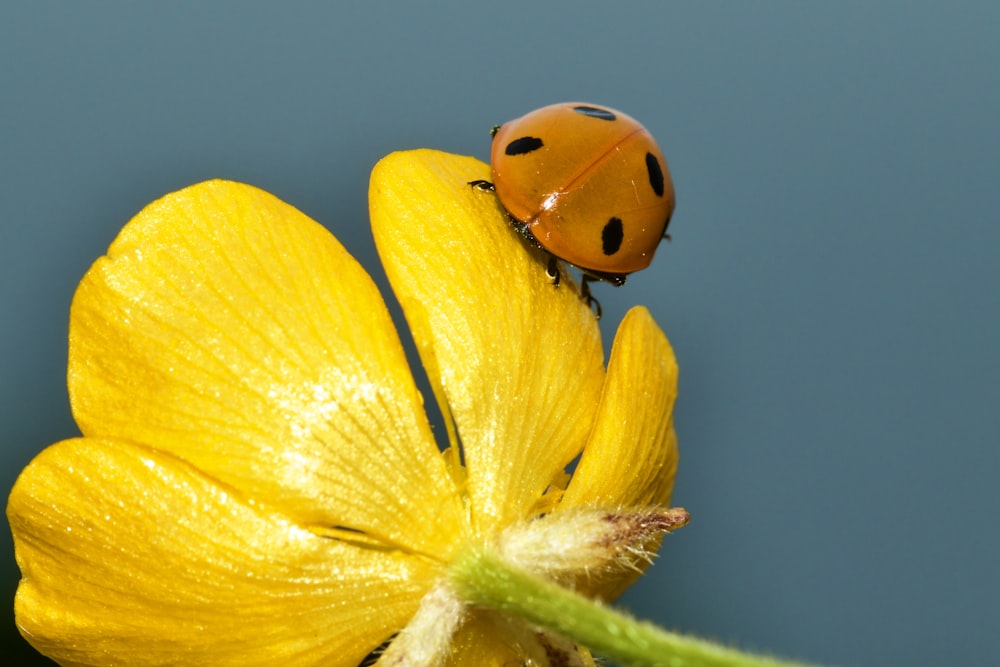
(655, 174)
(611, 236)
(595, 112)
(523, 145)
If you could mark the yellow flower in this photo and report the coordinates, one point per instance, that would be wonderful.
(257, 482)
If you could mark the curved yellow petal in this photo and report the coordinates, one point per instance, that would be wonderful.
(227, 328)
(520, 360)
(631, 456)
(131, 556)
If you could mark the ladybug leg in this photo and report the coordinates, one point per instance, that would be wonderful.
(552, 270)
(481, 184)
(585, 294)
(616, 279)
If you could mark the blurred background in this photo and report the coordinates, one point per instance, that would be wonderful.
(831, 288)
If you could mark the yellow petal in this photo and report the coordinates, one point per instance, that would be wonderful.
(227, 328)
(520, 360)
(132, 557)
(631, 456)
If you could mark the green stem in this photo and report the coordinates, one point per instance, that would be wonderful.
(480, 577)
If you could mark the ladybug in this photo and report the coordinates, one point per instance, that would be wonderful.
(586, 183)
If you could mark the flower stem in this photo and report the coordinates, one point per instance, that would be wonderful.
(482, 578)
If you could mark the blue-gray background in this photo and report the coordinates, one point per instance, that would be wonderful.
(831, 287)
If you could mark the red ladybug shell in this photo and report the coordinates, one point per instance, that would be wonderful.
(589, 183)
